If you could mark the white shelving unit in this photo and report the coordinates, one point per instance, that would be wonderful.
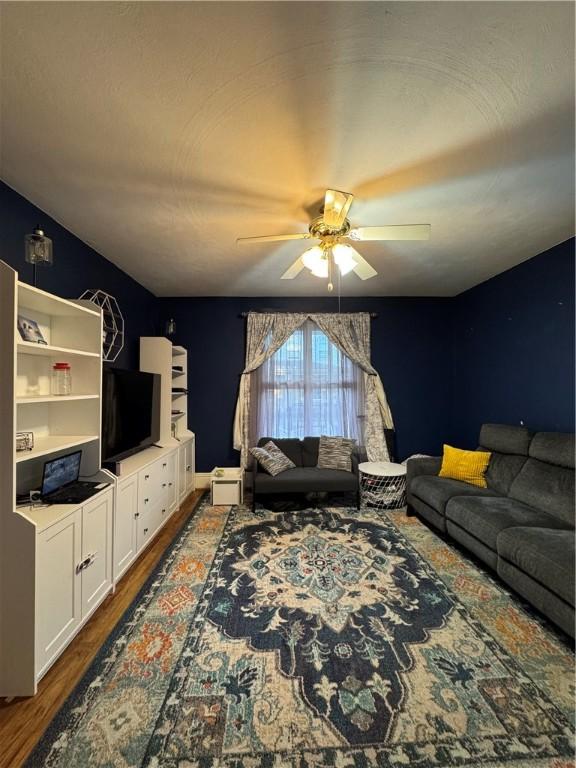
(44, 598)
(179, 421)
(159, 355)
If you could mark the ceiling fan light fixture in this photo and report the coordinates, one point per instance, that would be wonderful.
(343, 256)
(314, 259)
(331, 227)
(321, 270)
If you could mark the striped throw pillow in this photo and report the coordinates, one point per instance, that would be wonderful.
(335, 453)
(467, 466)
(272, 458)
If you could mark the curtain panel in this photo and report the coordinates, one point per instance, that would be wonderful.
(350, 333)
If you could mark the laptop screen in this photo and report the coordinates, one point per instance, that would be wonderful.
(61, 471)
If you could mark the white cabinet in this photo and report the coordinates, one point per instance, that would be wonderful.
(73, 576)
(58, 588)
(182, 474)
(125, 524)
(146, 496)
(43, 599)
(186, 462)
(190, 464)
(96, 559)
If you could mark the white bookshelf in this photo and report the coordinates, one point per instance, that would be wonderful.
(179, 421)
(159, 355)
(32, 551)
(73, 333)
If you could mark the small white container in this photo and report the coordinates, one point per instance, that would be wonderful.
(227, 487)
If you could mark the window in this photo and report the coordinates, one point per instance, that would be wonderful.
(308, 387)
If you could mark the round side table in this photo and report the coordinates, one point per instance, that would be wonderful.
(382, 485)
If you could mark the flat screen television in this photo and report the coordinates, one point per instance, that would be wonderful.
(130, 412)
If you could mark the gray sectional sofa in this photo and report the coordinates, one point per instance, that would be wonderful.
(305, 477)
(522, 524)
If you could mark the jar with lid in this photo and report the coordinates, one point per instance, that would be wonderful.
(61, 379)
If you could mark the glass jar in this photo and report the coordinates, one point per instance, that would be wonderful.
(61, 379)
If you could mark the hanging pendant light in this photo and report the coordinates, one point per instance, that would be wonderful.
(37, 250)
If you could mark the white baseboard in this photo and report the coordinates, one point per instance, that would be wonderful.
(202, 480)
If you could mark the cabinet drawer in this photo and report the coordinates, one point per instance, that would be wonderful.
(157, 481)
(149, 521)
(149, 481)
(167, 465)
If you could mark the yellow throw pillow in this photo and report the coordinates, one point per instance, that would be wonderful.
(467, 466)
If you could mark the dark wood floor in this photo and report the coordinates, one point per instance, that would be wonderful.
(23, 721)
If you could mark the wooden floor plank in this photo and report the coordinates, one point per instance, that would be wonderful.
(24, 720)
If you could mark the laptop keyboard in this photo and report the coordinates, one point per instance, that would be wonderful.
(72, 495)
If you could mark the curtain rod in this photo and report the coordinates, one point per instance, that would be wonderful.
(280, 311)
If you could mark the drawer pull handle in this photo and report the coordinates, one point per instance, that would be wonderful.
(145, 530)
(146, 477)
(188, 468)
(86, 563)
(136, 514)
(146, 501)
(170, 484)
(164, 465)
(163, 485)
(163, 511)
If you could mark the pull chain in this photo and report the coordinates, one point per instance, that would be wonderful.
(330, 266)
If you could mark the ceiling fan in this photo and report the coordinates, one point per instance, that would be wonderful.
(331, 228)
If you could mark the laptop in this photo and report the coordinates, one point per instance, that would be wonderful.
(60, 483)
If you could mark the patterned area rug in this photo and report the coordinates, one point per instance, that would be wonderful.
(323, 637)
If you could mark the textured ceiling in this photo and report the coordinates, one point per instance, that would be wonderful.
(160, 132)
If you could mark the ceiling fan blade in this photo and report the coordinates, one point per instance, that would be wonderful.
(336, 207)
(394, 232)
(273, 238)
(362, 268)
(294, 270)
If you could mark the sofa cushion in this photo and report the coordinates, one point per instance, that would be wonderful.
(504, 438)
(290, 446)
(436, 491)
(547, 487)
(485, 518)
(335, 453)
(503, 470)
(547, 555)
(271, 458)
(306, 479)
(554, 448)
(467, 466)
(310, 451)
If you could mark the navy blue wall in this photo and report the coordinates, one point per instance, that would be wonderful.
(502, 351)
(514, 348)
(409, 350)
(76, 268)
